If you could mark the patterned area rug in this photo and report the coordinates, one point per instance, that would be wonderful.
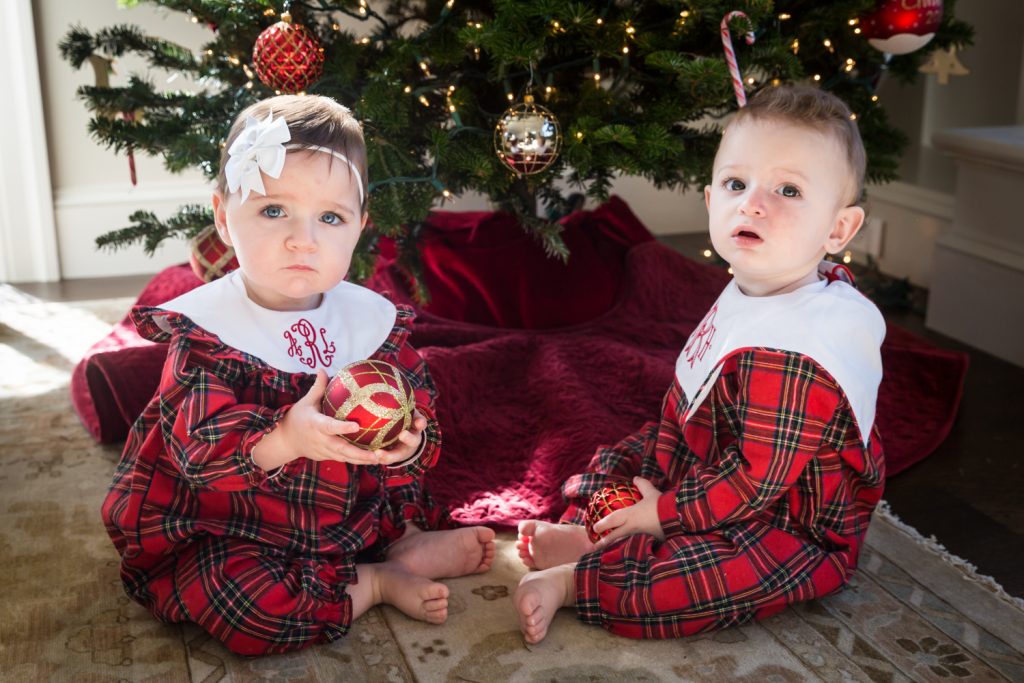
(912, 613)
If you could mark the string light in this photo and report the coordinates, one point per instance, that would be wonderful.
(424, 101)
(597, 78)
(365, 40)
(269, 12)
(450, 4)
(707, 253)
(407, 89)
(857, 30)
(874, 98)
(509, 96)
(600, 21)
(847, 257)
(729, 270)
(750, 81)
(817, 77)
(849, 65)
(796, 45)
(784, 16)
(630, 30)
(448, 195)
(853, 117)
(579, 135)
(625, 49)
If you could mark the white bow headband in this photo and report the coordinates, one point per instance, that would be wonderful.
(260, 147)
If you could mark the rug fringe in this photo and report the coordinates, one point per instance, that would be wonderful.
(970, 571)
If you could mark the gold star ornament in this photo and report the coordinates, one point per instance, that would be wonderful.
(943, 64)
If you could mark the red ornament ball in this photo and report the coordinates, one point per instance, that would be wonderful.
(899, 27)
(287, 56)
(209, 257)
(375, 395)
(606, 501)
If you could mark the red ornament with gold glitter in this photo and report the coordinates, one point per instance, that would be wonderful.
(606, 501)
(374, 394)
(210, 258)
(898, 27)
(287, 56)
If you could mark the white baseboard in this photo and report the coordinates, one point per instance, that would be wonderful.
(83, 214)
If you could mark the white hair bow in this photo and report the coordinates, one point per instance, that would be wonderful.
(260, 147)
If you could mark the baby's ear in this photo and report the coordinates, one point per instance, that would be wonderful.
(220, 216)
(848, 222)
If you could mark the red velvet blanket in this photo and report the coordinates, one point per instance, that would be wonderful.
(538, 363)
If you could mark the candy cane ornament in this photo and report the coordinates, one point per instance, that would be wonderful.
(730, 54)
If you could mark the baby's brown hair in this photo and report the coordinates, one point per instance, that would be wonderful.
(817, 109)
(313, 120)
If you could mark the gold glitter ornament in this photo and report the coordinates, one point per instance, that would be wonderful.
(528, 137)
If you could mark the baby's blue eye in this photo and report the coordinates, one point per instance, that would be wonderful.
(790, 191)
(272, 211)
(734, 185)
(331, 218)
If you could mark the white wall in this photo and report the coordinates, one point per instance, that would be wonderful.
(91, 188)
(92, 194)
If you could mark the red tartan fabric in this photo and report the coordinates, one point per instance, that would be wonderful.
(767, 495)
(261, 563)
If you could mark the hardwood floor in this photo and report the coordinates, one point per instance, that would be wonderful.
(969, 493)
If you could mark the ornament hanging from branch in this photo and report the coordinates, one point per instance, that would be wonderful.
(943, 64)
(528, 137)
(730, 55)
(899, 27)
(287, 56)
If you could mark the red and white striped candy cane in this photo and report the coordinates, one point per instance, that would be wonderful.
(730, 55)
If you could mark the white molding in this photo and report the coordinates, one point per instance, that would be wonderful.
(915, 198)
(1001, 253)
(85, 213)
(28, 241)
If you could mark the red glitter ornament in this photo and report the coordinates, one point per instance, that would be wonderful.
(374, 394)
(210, 258)
(606, 501)
(899, 27)
(287, 56)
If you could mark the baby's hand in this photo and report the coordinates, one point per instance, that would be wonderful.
(408, 442)
(639, 518)
(317, 436)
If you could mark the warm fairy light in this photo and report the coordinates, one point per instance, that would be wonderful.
(195, 20)
(509, 96)
(476, 52)
(478, 25)
(776, 82)
(750, 81)
(853, 22)
(362, 8)
(209, 53)
(336, 26)
(784, 16)
(849, 65)
(424, 101)
(857, 30)
(248, 72)
(874, 98)
(600, 21)
(365, 40)
(827, 43)
(269, 12)
(446, 194)
(630, 30)
(451, 89)
(451, 108)
(579, 135)
(685, 13)
(597, 77)
(625, 49)
(853, 117)
(450, 4)
(548, 89)
(423, 65)
(847, 257)
(234, 60)
(407, 89)
(707, 253)
(795, 45)
(817, 77)
(248, 85)
(729, 270)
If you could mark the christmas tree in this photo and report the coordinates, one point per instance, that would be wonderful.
(631, 88)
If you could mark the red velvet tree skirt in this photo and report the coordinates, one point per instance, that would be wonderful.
(538, 363)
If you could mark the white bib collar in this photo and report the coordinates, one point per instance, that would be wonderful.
(828, 321)
(350, 324)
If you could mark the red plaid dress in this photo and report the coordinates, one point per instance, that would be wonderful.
(767, 495)
(261, 563)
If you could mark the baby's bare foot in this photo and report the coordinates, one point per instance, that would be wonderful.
(539, 596)
(416, 596)
(441, 554)
(542, 545)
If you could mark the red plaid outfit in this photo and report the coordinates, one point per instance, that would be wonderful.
(261, 563)
(768, 491)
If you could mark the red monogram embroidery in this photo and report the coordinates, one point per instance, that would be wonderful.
(321, 351)
(700, 341)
